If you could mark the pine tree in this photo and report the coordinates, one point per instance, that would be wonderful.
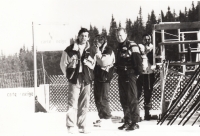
(104, 32)
(91, 35)
(186, 15)
(129, 28)
(135, 27)
(197, 13)
(112, 41)
(182, 17)
(15, 63)
(162, 16)
(150, 22)
(138, 28)
(153, 18)
(140, 19)
(171, 50)
(169, 16)
(29, 60)
(22, 58)
(93, 32)
(148, 25)
(2, 58)
(192, 16)
(51, 62)
(175, 16)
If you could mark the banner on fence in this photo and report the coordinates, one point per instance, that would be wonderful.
(51, 36)
(17, 100)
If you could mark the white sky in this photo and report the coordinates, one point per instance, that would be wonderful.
(16, 16)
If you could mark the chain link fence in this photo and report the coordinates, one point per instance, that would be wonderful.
(59, 88)
(22, 79)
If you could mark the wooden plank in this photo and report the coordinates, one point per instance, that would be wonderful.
(182, 25)
(189, 32)
(193, 51)
(183, 63)
(179, 42)
(162, 88)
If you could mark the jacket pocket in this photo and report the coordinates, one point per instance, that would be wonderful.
(73, 63)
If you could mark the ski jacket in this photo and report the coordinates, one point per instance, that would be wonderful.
(105, 60)
(129, 58)
(72, 63)
(147, 56)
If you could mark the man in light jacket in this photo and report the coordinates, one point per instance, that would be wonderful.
(147, 78)
(77, 64)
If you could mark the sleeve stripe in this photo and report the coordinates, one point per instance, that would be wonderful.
(135, 49)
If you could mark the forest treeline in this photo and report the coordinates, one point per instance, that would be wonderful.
(23, 60)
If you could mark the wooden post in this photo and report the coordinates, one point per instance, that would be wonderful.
(162, 87)
(198, 48)
(163, 46)
(199, 9)
(162, 75)
(189, 55)
(154, 47)
(198, 38)
(44, 78)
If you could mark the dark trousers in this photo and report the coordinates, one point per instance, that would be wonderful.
(101, 91)
(128, 97)
(145, 82)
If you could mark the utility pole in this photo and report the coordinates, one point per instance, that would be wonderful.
(35, 65)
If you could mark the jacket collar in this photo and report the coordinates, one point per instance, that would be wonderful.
(103, 46)
(75, 48)
(124, 43)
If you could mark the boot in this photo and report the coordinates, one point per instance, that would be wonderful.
(71, 129)
(133, 126)
(84, 130)
(116, 119)
(148, 116)
(125, 125)
(140, 119)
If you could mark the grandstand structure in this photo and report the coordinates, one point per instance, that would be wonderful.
(187, 96)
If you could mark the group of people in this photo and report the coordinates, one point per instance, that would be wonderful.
(83, 63)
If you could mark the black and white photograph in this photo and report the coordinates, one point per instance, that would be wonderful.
(99, 67)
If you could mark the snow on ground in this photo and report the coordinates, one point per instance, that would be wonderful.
(54, 124)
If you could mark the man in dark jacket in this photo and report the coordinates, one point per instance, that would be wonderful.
(129, 66)
(103, 73)
(77, 64)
